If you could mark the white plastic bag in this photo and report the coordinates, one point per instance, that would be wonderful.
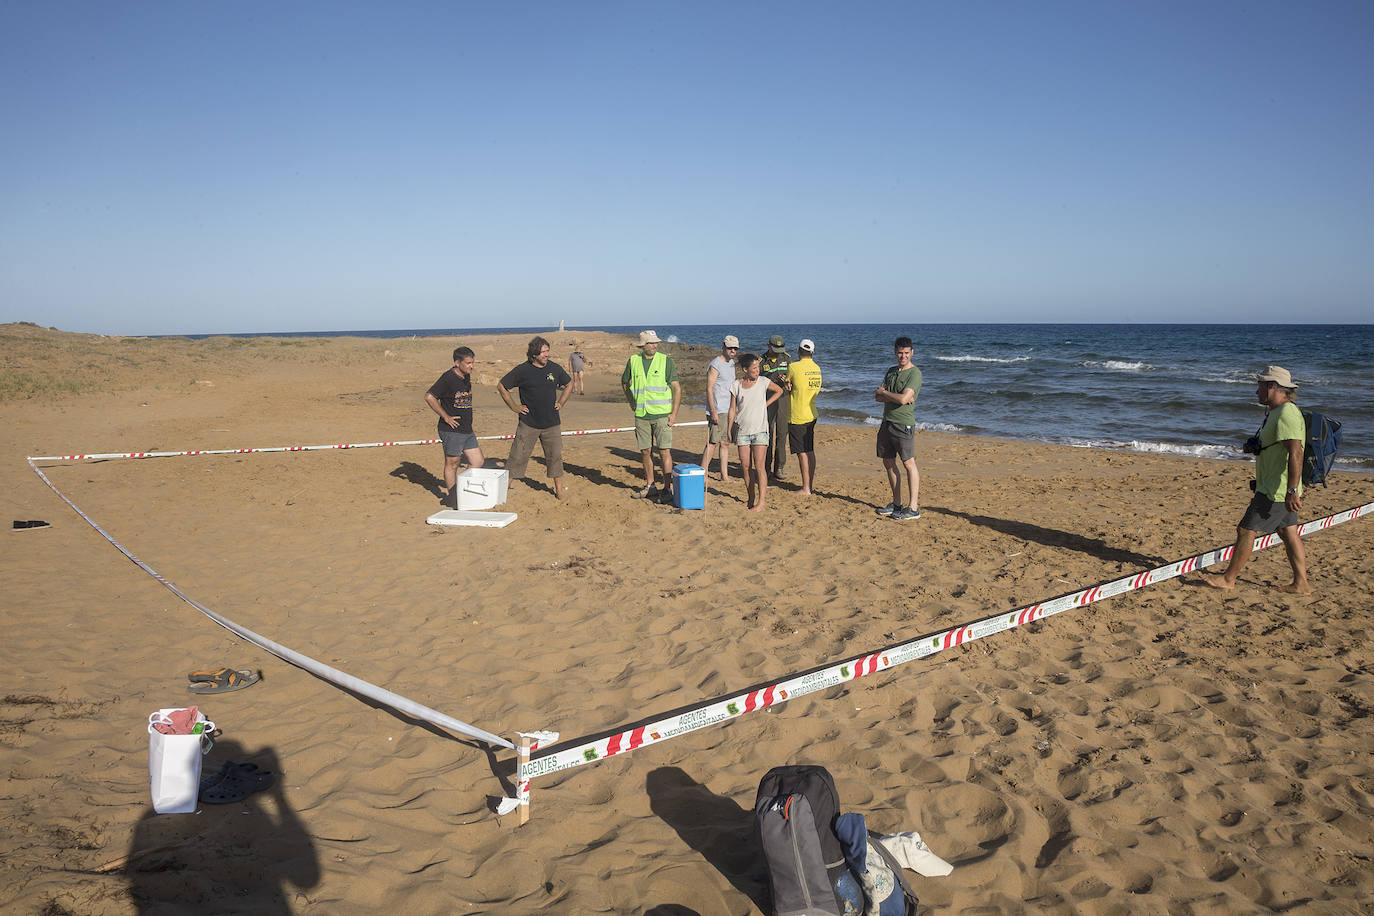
(174, 764)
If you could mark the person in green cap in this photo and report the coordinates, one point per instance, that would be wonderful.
(773, 366)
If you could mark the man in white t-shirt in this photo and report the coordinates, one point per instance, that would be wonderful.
(719, 375)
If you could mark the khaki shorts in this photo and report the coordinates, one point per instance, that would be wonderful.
(653, 432)
(716, 432)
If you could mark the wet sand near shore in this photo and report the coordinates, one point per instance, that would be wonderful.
(1174, 749)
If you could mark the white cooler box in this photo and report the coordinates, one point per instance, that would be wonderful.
(481, 488)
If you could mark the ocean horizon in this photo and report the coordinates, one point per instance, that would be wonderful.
(1162, 388)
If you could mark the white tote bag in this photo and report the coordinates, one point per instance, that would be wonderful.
(174, 764)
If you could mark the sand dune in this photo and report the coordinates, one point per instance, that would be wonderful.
(1169, 750)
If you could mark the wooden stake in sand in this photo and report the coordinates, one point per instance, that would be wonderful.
(522, 779)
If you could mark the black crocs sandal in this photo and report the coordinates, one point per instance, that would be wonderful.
(234, 782)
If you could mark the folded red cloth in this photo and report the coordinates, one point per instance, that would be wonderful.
(179, 722)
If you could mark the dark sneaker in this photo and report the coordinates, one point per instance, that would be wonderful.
(649, 492)
(905, 513)
(888, 509)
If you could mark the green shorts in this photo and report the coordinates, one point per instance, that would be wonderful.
(651, 432)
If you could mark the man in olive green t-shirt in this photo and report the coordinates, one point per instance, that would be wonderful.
(773, 366)
(897, 433)
(1278, 483)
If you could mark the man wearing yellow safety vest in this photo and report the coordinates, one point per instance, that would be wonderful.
(652, 389)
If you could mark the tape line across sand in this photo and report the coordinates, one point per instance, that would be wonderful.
(709, 712)
(713, 712)
(315, 448)
(334, 675)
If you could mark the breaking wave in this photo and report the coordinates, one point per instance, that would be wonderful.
(982, 359)
(1117, 365)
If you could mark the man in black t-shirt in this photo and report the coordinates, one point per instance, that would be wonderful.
(451, 398)
(544, 388)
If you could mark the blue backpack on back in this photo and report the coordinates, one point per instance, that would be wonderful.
(1319, 448)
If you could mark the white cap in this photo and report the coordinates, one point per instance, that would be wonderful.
(807, 344)
(646, 337)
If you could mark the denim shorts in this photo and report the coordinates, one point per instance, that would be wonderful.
(743, 439)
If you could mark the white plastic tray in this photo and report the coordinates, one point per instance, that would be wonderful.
(471, 517)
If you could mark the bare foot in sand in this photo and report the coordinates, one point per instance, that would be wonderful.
(558, 487)
(1296, 588)
(1216, 581)
(758, 508)
(804, 492)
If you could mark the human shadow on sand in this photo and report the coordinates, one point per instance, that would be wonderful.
(713, 825)
(238, 857)
(540, 483)
(636, 468)
(1052, 537)
(411, 472)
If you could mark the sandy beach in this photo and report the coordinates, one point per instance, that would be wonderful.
(1170, 750)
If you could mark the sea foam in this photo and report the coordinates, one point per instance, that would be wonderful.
(982, 359)
(1117, 365)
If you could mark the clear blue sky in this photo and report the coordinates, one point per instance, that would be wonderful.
(190, 167)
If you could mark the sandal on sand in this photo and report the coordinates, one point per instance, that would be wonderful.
(234, 782)
(222, 680)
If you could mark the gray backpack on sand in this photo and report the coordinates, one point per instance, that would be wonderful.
(795, 812)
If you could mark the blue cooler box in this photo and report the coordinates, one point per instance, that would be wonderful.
(689, 486)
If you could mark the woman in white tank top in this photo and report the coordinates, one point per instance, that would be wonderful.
(748, 424)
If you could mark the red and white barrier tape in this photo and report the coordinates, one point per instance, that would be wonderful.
(711, 712)
(716, 711)
(319, 669)
(317, 448)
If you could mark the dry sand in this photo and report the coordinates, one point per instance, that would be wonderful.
(1169, 750)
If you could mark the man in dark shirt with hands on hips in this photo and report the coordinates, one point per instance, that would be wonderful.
(451, 398)
(544, 388)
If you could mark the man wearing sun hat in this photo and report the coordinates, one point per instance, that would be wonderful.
(804, 384)
(651, 387)
(1277, 484)
(773, 366)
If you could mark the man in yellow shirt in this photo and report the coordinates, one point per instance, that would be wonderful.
(804, 383)
(1278, 483)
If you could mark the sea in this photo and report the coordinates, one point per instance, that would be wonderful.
(1171, 389)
